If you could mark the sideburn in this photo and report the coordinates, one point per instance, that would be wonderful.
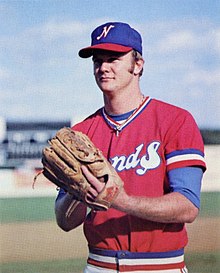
(131, 69)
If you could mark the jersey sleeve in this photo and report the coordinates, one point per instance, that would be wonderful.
(60, 194)
(184, 145)
(187, 181)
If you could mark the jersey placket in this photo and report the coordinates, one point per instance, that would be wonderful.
(118, 126)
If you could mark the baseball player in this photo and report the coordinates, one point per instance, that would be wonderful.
(157, 150)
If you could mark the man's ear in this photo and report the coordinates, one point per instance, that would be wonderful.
(139, 64)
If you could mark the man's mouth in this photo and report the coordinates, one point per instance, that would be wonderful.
(104, 79)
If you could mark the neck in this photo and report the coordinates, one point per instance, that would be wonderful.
(122, 103)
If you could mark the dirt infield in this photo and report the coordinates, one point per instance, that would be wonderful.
(45, 241)
(37, 241)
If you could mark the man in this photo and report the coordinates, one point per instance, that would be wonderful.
(157, 150)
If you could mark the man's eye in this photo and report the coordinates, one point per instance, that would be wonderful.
(111, 60)
(97, 62)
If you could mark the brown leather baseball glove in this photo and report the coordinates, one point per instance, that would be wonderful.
(62, 162)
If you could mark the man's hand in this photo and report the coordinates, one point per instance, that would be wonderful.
(68, 151)
(96, 185)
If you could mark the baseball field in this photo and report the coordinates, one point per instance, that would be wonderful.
(31, 242)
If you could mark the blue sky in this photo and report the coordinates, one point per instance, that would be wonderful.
(42, 77)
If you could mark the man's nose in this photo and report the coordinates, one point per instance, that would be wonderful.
(104, 66)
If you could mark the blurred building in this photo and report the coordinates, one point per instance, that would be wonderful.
(21, 143)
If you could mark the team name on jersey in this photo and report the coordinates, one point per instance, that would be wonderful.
(149, 161)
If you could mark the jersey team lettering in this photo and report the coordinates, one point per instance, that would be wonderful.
(151, 160)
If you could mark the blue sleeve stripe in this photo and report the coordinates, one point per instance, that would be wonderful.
(185, 152)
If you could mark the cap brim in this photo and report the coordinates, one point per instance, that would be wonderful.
(88, 51)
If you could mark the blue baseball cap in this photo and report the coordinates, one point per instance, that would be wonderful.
(113, 36)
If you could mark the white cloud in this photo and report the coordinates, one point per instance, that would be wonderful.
(216, 34)
(48, 38)
(178, 41)
(4, 73)
(178, 36)
(53, 30)
(43, 62)
(204, 77)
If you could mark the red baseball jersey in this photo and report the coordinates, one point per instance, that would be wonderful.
(156, 138)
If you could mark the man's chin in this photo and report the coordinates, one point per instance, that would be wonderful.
(106, 89)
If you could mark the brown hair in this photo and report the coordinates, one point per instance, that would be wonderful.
(137, 56)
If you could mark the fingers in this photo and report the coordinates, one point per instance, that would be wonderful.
(96, 185)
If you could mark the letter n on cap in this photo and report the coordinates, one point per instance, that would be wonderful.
(105, 31)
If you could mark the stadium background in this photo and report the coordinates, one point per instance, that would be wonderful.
(42, 77)
(31, 242)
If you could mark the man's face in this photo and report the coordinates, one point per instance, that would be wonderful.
(113, 71)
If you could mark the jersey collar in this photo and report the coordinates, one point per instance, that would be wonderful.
(118, 127)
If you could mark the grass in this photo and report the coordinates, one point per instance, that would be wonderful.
(63, 266)
(210, 204)
(27, 209)
(42, 208)
(203, 262)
